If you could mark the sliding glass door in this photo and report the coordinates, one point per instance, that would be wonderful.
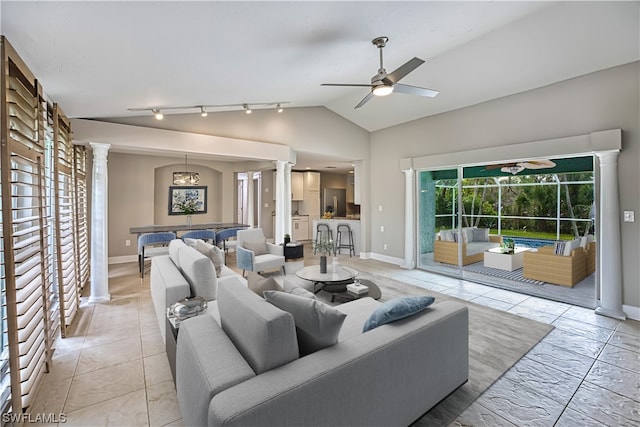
(438, 221)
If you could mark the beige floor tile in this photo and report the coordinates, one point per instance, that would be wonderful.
(63, 365)
(177, 423)
(163, 404)
(112, 334)
(156, 369)
(51, 396)
(152, 344)
(126, 410)
(103, 356)
(105, 384)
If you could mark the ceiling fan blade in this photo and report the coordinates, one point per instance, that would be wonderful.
(405, 69)
(346, 84)
(364, 100)
(414, 90)
(499, 166)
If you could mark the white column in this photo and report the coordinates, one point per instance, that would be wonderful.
(609, 248)
(278, 232)
(99, 225)
(250, 196)
(287, 201)
(409, 215)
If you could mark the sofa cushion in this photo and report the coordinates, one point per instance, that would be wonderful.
(480, 234)
(570, 246)
(264, 334)
(298, 287)
(317, 324)
(259, 247)
(199, 272)
(214, 253)
(259, 284)
(174, 247)
(396, 309)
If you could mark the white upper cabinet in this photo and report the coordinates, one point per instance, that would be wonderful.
(297, 185)
(312, 181)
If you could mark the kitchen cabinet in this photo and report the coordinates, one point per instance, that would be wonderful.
(312, 181)
(300, 228)
(350, 188)
(297, 186)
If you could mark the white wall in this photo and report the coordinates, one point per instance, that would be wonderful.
(604, 100)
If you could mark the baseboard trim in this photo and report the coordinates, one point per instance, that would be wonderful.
(123, 259)
(631, 311)
(386, 258)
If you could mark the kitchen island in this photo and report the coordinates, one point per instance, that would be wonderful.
(333, 226)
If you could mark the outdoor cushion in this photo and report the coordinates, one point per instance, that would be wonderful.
(317, 324)
(570, 246)
(480, 234)
(396, 309)
(264, 334)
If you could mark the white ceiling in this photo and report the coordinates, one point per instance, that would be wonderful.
(97, 59)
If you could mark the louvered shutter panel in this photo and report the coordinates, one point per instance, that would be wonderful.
(80, 215)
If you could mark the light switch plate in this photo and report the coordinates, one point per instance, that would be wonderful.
(629, 216)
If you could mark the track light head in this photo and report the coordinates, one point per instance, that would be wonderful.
(246, 108)
(203, 112)
(157, 113)
(279, 108)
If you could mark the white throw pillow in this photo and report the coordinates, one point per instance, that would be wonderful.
(214, 253)
(570, 246)
(259, 247)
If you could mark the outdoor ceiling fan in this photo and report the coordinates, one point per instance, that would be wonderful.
(517, 167)
(383, 84)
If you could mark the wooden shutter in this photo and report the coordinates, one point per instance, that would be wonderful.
(22, 176)
(65, 229)
(80, 214)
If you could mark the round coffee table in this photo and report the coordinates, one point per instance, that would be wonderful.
(334, 280)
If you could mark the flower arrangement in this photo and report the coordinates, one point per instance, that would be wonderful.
(324, 246)
(187, 205)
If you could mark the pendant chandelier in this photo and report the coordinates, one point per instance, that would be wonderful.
(186, 178)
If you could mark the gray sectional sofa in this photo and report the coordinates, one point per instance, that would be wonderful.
(242, 368)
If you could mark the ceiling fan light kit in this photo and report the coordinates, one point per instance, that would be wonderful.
(383, 84)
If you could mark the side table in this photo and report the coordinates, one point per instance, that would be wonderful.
(171, 338)
(293, 256)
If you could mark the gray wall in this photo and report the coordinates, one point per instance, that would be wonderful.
(604, 100)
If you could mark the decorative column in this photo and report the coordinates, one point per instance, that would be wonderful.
(409, 229)
(278, 232)
(250, 196)
(610, 267)
(99, 225)
(287, 202)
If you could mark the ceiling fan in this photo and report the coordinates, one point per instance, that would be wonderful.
(383, 84)
(517, 167)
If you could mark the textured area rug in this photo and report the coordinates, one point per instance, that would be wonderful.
(515, 275)
(497, 340)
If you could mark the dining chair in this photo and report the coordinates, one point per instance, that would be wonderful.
(224, 239)
(208, 236)
(153, 244)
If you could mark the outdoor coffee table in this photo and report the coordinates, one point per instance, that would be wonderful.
(495, 258)
(334, 280)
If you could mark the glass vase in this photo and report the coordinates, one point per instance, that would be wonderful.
(189, 221)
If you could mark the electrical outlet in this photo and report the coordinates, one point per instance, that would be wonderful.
(379, 208)
(629, 216)
(127, 242)
(266, 205)
(384, 246)
(382, 228)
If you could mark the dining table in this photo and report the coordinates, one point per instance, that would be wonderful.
(185, 227)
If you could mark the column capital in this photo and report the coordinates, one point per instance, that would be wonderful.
(99, 148)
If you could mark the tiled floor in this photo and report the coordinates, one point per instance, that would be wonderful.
(113, 370)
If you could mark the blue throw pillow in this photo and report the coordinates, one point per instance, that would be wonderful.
(396, 309)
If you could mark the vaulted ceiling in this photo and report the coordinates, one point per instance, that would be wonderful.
(98, 59)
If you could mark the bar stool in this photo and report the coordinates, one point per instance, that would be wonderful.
(344, 229)
(323, 232)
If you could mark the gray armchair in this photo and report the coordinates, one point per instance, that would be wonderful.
(254, 253)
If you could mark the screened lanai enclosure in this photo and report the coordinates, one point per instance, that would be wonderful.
(524, 226)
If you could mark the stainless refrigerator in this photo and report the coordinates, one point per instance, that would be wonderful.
(335, 200)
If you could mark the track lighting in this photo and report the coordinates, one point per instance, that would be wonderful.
(157, 113)
(205, 109)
